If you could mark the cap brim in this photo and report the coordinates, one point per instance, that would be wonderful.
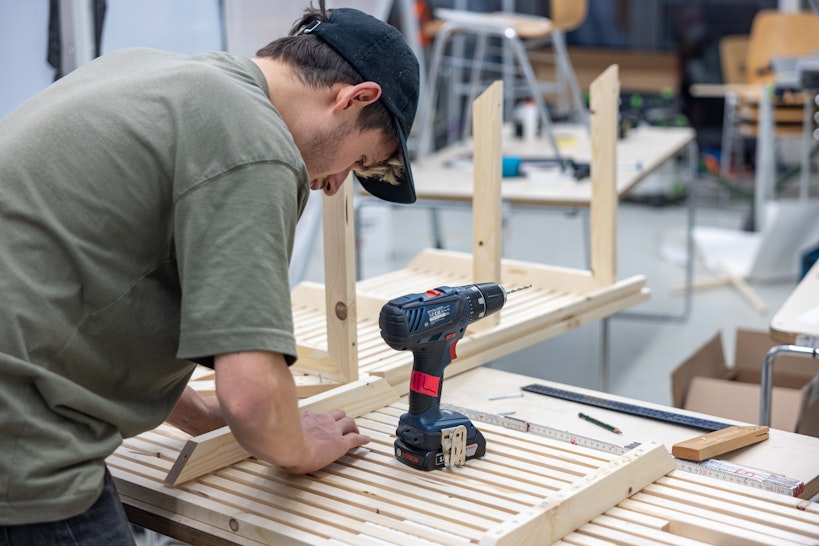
(404, 191)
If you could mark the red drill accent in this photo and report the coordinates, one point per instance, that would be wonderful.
(425, 383)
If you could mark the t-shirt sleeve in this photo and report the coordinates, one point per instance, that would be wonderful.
(234, 238)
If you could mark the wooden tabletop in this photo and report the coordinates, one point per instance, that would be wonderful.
(721, 90)
(447, 175)
(797, 321)
(793, 455)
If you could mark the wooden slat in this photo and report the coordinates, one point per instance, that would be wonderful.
(219, 448)
(486, 203)
(703, 528)
(565, 511)
(604, 93)
(367, 497)
(339, 280)
(724, 489)
(605, 525)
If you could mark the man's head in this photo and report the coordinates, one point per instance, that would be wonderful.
(354, 48)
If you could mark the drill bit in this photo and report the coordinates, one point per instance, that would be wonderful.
(518, 289)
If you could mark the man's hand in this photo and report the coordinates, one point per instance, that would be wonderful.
(258, 398)
(321, 434)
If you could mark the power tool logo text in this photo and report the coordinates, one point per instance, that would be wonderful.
(438, 313)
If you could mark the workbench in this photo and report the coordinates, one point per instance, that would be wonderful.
(368, 497)
(797, 321)
(785, 453)
(447, 176)
(796, 326)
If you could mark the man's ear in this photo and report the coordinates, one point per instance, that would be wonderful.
(357, 96)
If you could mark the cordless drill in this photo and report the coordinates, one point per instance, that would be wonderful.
(430, 325)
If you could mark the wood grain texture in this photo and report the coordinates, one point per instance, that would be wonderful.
(219, 448)
(339, 281)
(487, 216)
(718, 442)
(604, 94)
(526, 490)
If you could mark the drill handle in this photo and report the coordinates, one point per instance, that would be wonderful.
(426, 380)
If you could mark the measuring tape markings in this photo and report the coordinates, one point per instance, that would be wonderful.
(713, 468)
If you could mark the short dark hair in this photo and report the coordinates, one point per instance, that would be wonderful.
(318, 66)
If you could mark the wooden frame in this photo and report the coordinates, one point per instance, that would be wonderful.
(526, 490)
(561, 298)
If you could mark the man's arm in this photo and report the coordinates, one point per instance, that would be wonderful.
(257, 395)
(196, 414)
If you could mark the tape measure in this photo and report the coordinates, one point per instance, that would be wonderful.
(713, 468)
(642, 411)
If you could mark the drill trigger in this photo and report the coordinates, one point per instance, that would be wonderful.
(452, 355)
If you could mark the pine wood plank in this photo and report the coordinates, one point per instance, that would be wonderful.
(708, 530)
(604, 93)
(367, 497)
(568, 509)
(719, 506)
(718, 442)
(219, 448)
(254, 475)
(705, 517)
(654, 533)
(612, 535)
(339, 280)
(487, 201)
(724, 489)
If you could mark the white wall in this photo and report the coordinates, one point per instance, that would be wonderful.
(183, 26)
(24, 70)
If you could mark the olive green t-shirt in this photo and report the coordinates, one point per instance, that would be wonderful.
(148, 203)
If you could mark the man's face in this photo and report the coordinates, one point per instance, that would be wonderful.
(331, 154)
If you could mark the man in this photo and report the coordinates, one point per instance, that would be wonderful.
(148, 203)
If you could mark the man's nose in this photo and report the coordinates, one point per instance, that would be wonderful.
(336, 180)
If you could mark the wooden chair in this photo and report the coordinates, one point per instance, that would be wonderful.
(565, 16)
(774, 35)
(514, 31)
(733, 52)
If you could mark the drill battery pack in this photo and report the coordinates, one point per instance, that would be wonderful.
(451, 443)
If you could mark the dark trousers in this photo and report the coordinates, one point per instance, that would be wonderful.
(104, 523)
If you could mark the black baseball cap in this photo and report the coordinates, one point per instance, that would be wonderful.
(379, 53)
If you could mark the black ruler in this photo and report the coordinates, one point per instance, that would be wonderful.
(634, 409)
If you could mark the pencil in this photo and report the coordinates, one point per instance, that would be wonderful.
(600, 423)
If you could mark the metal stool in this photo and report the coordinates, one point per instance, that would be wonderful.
(512, 29)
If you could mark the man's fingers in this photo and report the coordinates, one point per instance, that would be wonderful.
(347, 425)
(356, 440)
(337, 414)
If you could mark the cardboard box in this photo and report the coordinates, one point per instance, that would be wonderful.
(706, 383)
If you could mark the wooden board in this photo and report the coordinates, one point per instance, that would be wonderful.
(718, 442)
(369, 495)
(526, 486)
(219, 448)
(487, 216)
